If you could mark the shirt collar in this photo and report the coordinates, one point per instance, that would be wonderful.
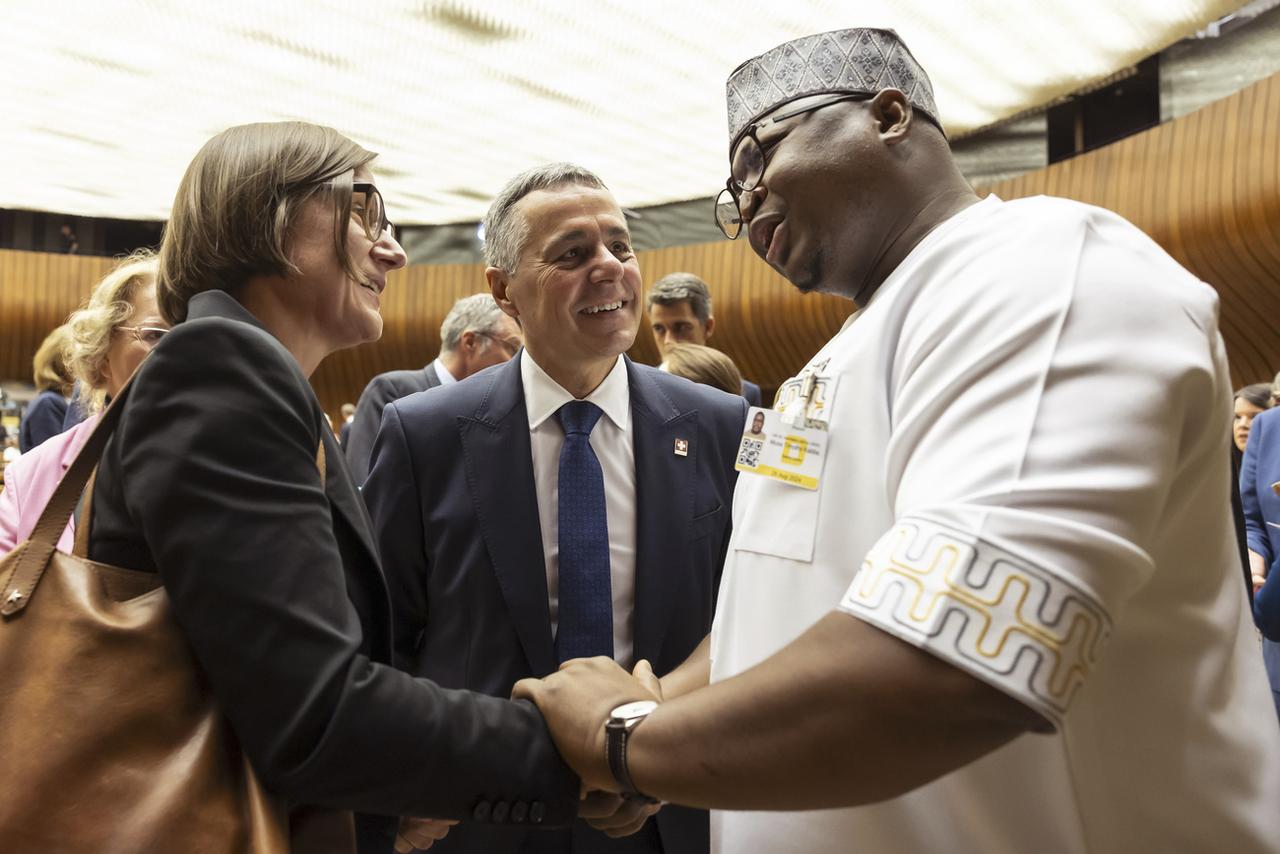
(543, 396)
(442, 372)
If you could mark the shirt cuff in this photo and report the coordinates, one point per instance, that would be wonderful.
(1027, 631)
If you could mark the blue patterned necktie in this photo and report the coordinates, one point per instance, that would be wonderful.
(586, 594)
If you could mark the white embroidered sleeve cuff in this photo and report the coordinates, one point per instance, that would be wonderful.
(1026, 630)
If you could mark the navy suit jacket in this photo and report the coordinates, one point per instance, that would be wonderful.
(455, 512)
(1259, 470)
(380, 391)
(751, 392)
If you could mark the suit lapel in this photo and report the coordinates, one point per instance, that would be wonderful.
(343, 496)
(499, 465)
(664, 506)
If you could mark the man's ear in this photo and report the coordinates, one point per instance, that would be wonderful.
(893, 115)
(498, 282)
(711, 326)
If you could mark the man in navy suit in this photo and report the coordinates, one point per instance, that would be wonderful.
(474, 335)
(568, 503)
(680, 313)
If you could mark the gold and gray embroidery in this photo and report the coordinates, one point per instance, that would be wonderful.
(998, 615)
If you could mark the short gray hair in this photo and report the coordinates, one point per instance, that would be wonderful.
(476, 313)
(505, 233)
(683, 287)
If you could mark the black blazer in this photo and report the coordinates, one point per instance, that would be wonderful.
(380, 391)
(456, 516)
(211, 480)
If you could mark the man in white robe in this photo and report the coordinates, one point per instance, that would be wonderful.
(1006, 619)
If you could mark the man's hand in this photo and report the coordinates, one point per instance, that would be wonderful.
(419, 834)
(1257, 569)
(613, 814)
(577, 700)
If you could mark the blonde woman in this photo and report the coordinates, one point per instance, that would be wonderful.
(43, 418)
(103, 344)
(703, 364)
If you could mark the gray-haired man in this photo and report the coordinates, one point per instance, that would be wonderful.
(475, 334)
(680, 313)
(569, 503)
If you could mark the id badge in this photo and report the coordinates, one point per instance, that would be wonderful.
(788, 452)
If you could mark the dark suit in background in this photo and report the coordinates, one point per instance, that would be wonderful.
(751, 392)
(211, 480)
(452, 495)
(1259, 470)
(42, 419)
(380, 391)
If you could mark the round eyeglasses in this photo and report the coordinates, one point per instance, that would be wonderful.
(366, 203)
(747, 163)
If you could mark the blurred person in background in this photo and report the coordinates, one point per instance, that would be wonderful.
(475, 334)
(107, 339)
(1247, 403)
(276, 255)
(344, 431)
(702, 364)
(1260, 498)
(43, 417)
(680, 313)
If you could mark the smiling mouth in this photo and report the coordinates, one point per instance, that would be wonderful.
(763, 234)
(604, 308)
(374, 285)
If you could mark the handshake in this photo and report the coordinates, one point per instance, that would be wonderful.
(576, 701)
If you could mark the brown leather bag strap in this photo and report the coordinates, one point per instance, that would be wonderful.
(35, 553)
(81, 547)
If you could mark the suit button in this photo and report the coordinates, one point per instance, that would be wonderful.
(519, 812)
(500, 811)
(482, 811)
(537, 812)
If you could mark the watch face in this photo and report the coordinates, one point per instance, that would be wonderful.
(638, 709)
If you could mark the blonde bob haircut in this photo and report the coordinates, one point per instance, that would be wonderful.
(109, 306)
(239, 200)
(705, 365)
(49, 367)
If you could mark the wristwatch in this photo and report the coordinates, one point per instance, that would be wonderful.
(617, 730)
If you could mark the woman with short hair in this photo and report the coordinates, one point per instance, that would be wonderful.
(223, 477)
(104, 343)
(703, 364)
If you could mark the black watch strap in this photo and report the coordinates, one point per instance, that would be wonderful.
(616, 737)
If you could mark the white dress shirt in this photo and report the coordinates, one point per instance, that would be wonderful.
(442, 372)
(1025, 477)
(612, 442)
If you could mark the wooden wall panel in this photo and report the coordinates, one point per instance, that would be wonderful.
(37, 292)
(1206, 187)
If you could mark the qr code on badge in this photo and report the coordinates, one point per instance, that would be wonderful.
(749, 453)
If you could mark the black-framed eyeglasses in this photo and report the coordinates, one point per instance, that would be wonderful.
(147, 336)
(747, 164)
(367, 204)
(508, 347)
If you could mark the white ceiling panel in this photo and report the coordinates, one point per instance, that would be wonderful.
(105, 102)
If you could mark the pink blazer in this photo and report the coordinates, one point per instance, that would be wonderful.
(29, 482)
